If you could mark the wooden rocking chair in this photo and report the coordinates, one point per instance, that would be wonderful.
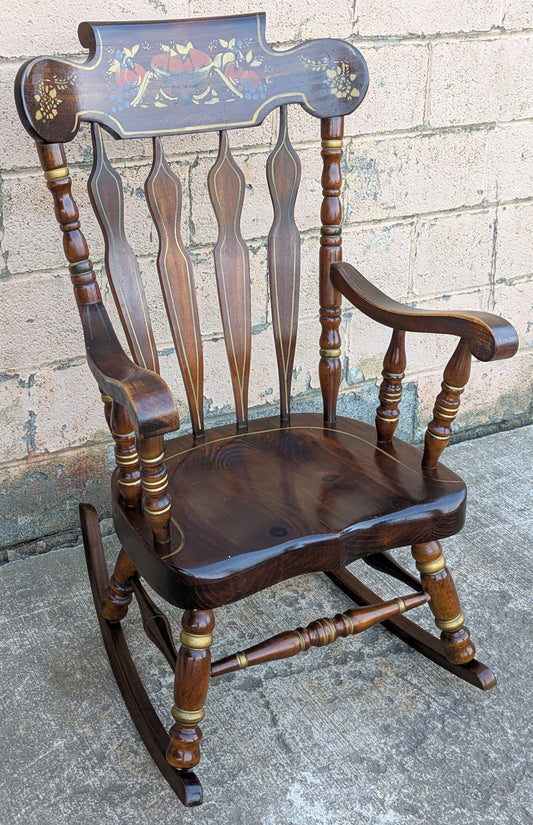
(210, 517)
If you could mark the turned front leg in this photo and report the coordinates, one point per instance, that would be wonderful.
(444, 602)
(193, 669)
(116, 601)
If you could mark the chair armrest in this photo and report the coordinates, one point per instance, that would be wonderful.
(489, 336)
(143, 393)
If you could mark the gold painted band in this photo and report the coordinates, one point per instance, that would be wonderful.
(402, 607)
(57, 174)
(189, 718)
(451, 625)
(196, 642)
(438, 437)
(330, 353)
(442, 412)
(431, 567)
(301, 637)
(123, 435)
(349, 622)
(136, 483)
(242, 660)
(388, 418)
(127, 461)
(452, 389)
(156, 485)
(162, 512)
(397, 375)
(329, 631)
(332, 144)
(157, 460)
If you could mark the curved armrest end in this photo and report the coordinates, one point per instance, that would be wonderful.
(143, 393)
(489, 336)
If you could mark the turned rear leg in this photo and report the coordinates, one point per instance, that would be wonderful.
(193, 672)
(115, 603)
(444, 603)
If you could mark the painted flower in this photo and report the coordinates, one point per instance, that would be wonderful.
(341, 81)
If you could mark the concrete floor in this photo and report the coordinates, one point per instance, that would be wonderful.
(365, 732)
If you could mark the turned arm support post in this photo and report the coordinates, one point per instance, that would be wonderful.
(138, 404)
(488, 337)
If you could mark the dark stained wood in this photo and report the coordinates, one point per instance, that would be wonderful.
(185, 784)
(57, 176)
(119, 591)
(210, 517)
(474, 672)
(126, 456)
(145, 396)
(386, 563)
(317, 634)
(184, 76)
(283, 175)
(332, 131)
(444, 603)
(155, 623)
(299, 498)
(390, 391)
(193, 669)
(446, 407)
(176, 274)
(154, 482)
(107, 197)
(489, 336)
(232, 264)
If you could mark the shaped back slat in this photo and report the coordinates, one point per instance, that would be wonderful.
(226, 188)
(164, 198)
(107, 196)
(283, 175)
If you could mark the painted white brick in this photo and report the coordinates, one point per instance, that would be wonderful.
(514, 249)
(397, 90)
(510, 162)
(396, 17)
(401, 176)
(453, 251)
(480, 81)
(32, 324)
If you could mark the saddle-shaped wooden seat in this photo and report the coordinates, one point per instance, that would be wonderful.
(217, 514)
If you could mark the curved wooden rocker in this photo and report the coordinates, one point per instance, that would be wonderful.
(215, 515)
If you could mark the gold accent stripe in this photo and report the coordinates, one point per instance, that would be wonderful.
(242, 660)
(431, 567)
(196, 642)
(402, 607)
(123, 435)
(189, 718)
(157, 460)
(127, 461)
(330, 353)
(331, 144)
(57, 174)
(129, 483)
(452, 389)
(350, 623)
(371, 444)
(451, 625)
(303, 645)
(158, 512)
(438, 437)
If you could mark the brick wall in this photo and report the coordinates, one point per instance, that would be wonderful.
(438, 209)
